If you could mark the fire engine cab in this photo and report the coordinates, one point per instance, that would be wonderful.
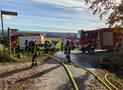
(106, 38)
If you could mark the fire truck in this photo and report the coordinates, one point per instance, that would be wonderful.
(71, 38)
(105, 38)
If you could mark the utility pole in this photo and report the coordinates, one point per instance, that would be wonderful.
(9, 40)
(3, 38)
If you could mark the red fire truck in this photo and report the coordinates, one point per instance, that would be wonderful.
(70, 37)
(106, 38)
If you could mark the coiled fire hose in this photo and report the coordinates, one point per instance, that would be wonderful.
(106, 78)
(108, 87)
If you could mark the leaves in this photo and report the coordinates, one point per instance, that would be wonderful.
(103, 7)
(94, 12)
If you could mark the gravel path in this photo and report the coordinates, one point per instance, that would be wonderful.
(48, 76)
(54, 79)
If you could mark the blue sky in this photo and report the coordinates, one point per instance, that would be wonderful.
(50, 15)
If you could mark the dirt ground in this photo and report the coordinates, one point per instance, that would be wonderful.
(113, 66)
(47, 76)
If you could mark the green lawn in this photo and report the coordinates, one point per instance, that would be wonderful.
(1, 48)
(58, 39)
(58, 45)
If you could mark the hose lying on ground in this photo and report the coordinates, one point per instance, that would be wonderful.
(108, 87)
(106, 78)
(69, 73)
(73, 81)
(67, 70)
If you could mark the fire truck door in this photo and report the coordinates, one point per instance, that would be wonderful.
(107, 39)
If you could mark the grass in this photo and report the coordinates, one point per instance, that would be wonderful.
(58, 45)
(57, 39)
(4, 57)
(13, 58)
(22, 56)
(1, 48)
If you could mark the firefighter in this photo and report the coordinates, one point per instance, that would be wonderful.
(26, 45)
(29, 46)
(33, 46)
(62, 46)
(46, 47)
(93, 47)
(34, 53)
(117, 48)
(67, 51)
(52, 47)
(88, 48)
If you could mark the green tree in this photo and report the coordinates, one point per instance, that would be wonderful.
(103, 7)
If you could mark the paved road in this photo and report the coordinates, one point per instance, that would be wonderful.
(77, 57)
(82, 59)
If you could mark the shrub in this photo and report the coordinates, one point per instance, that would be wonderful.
(6, 58)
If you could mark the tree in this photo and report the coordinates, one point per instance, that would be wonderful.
(103, 7)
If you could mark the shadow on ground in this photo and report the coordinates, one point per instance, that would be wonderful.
(12, 72)
(80, 82)
(112, 69)
(7, 74)
(37, 74)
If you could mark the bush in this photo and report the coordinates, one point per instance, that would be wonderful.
(6, 58)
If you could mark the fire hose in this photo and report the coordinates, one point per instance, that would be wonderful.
(106, 78)
(95, 75)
